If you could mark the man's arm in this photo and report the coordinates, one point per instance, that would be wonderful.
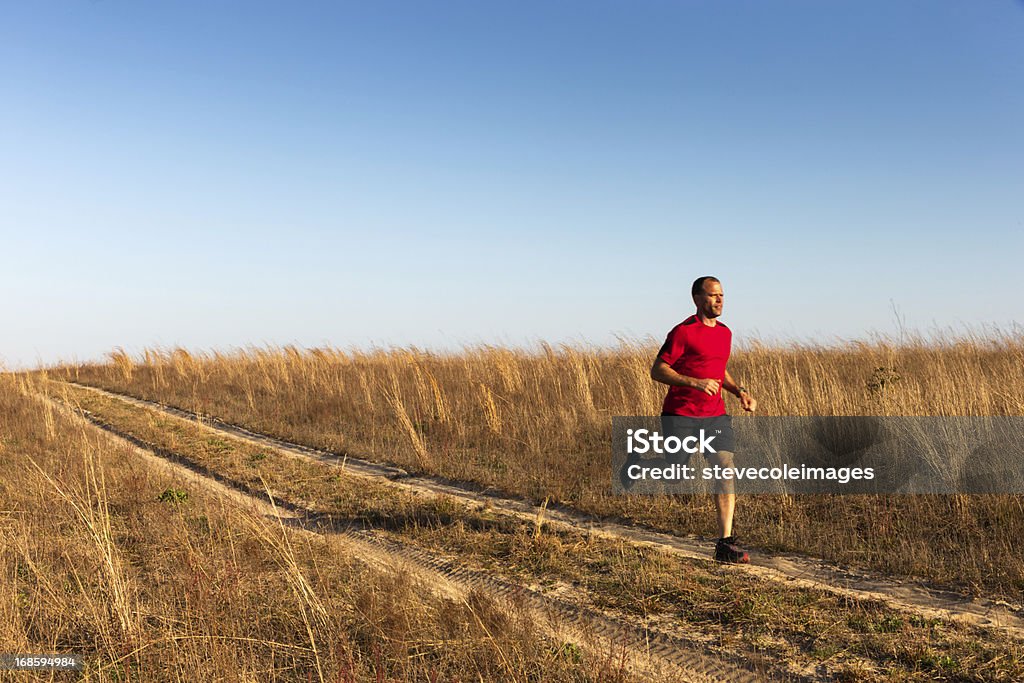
(663, 372)
(748, 402)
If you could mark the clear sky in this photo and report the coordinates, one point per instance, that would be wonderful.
(219, 174)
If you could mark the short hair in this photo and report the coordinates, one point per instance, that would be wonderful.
(698, 284)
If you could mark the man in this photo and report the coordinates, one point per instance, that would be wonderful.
(692, 363)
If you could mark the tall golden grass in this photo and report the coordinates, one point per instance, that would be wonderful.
(151, 579)
(536, 423)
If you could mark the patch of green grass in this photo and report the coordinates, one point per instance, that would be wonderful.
(570, 652)
(255, 459)
(174, 496)
(888, 624)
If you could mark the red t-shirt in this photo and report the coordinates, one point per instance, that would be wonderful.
(695, 350)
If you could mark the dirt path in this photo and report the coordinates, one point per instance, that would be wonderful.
(650, 652)
(790, 569)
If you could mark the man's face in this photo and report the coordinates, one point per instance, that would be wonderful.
(709, 304)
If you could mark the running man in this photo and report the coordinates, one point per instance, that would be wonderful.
(692, 362)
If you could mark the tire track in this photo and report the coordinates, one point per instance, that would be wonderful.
(793, 570)
(651, 652)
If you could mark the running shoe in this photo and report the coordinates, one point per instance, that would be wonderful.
(726, 550)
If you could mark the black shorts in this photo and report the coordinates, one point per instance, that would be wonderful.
(718, 433)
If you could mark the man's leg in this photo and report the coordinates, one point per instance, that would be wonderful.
(726, 549)
(725, 493)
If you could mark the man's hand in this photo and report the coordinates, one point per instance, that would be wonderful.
(748, 402)
(708, 386)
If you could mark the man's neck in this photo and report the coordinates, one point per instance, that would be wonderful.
(710, 322)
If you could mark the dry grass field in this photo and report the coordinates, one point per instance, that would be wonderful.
(153, 577)
(537, 425)
(151, 580)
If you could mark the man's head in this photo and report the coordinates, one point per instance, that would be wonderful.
(707, 294)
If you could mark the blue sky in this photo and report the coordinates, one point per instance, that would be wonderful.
(218, 174)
